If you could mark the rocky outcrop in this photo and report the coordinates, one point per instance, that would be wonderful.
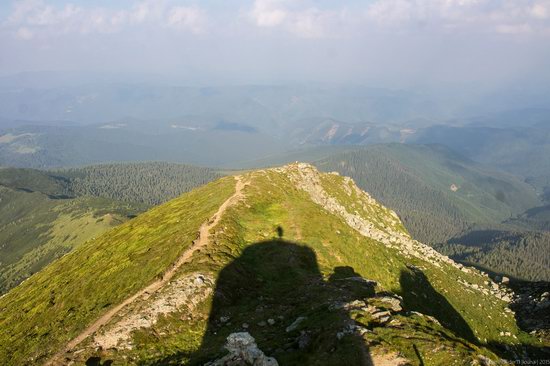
(532, 306)
(308, 178)
(243, 351)
(186, 292)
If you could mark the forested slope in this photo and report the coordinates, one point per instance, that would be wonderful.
(437, 193)
(149, 182)
(474, 215)
(45, 214)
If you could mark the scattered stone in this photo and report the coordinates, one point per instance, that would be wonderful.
(262, 324)
(351, 329)
(354, 305)
(304, 340)
(295, 324)
(224, 319)
(432, 319)
(245, 325)
(484, 361)
(185, 292)
(395, 323)
(271, 321)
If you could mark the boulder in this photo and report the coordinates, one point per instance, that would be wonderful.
(394, 303)
(243, 351)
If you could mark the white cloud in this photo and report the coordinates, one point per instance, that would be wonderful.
(32, 18)
(190, 18)
(35, 19)
(305, 22)
(540, 10)
(268, 13)
(514, 28)
(504, 16)
(24, 34)
(484, 16)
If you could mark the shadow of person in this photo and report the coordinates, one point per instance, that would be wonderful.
(419, 295)
(275, 292)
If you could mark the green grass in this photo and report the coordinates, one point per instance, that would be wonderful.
(259, 275)
(36, 229)
(51, 307)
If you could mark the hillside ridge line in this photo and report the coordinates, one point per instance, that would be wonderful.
(200, 242)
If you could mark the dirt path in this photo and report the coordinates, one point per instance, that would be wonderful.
(202, 240)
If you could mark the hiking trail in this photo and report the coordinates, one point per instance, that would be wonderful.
(144, 293)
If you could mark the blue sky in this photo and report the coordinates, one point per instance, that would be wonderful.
(383, 41)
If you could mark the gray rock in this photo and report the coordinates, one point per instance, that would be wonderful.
(381, 315)
(295, 324)
(243, 351)
(393, 302)
(303, 340)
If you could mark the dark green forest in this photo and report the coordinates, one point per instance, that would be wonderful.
(476, 216)
(519, 254)
(149, 182)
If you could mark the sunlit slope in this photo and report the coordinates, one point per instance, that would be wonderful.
(39, 223)
(52, 306)
(295, 244)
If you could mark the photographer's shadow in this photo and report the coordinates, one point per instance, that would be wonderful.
(275, 292)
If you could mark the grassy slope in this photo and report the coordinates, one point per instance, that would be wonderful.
(35, 229)
(273, 202)
(44, 214)
(38, 224)
(415, 180)
(52, 306)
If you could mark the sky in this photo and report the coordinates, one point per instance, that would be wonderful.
(488, 43)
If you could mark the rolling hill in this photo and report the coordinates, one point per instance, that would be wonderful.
(39, 222)
(45, 214)
(283, 266)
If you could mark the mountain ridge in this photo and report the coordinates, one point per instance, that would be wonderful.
(283, 210)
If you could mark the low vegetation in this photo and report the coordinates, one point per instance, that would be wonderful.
(275, 257)
(45, 214)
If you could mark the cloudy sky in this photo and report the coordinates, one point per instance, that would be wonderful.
(386, 42)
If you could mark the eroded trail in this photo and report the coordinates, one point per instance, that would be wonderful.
(200, 242)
